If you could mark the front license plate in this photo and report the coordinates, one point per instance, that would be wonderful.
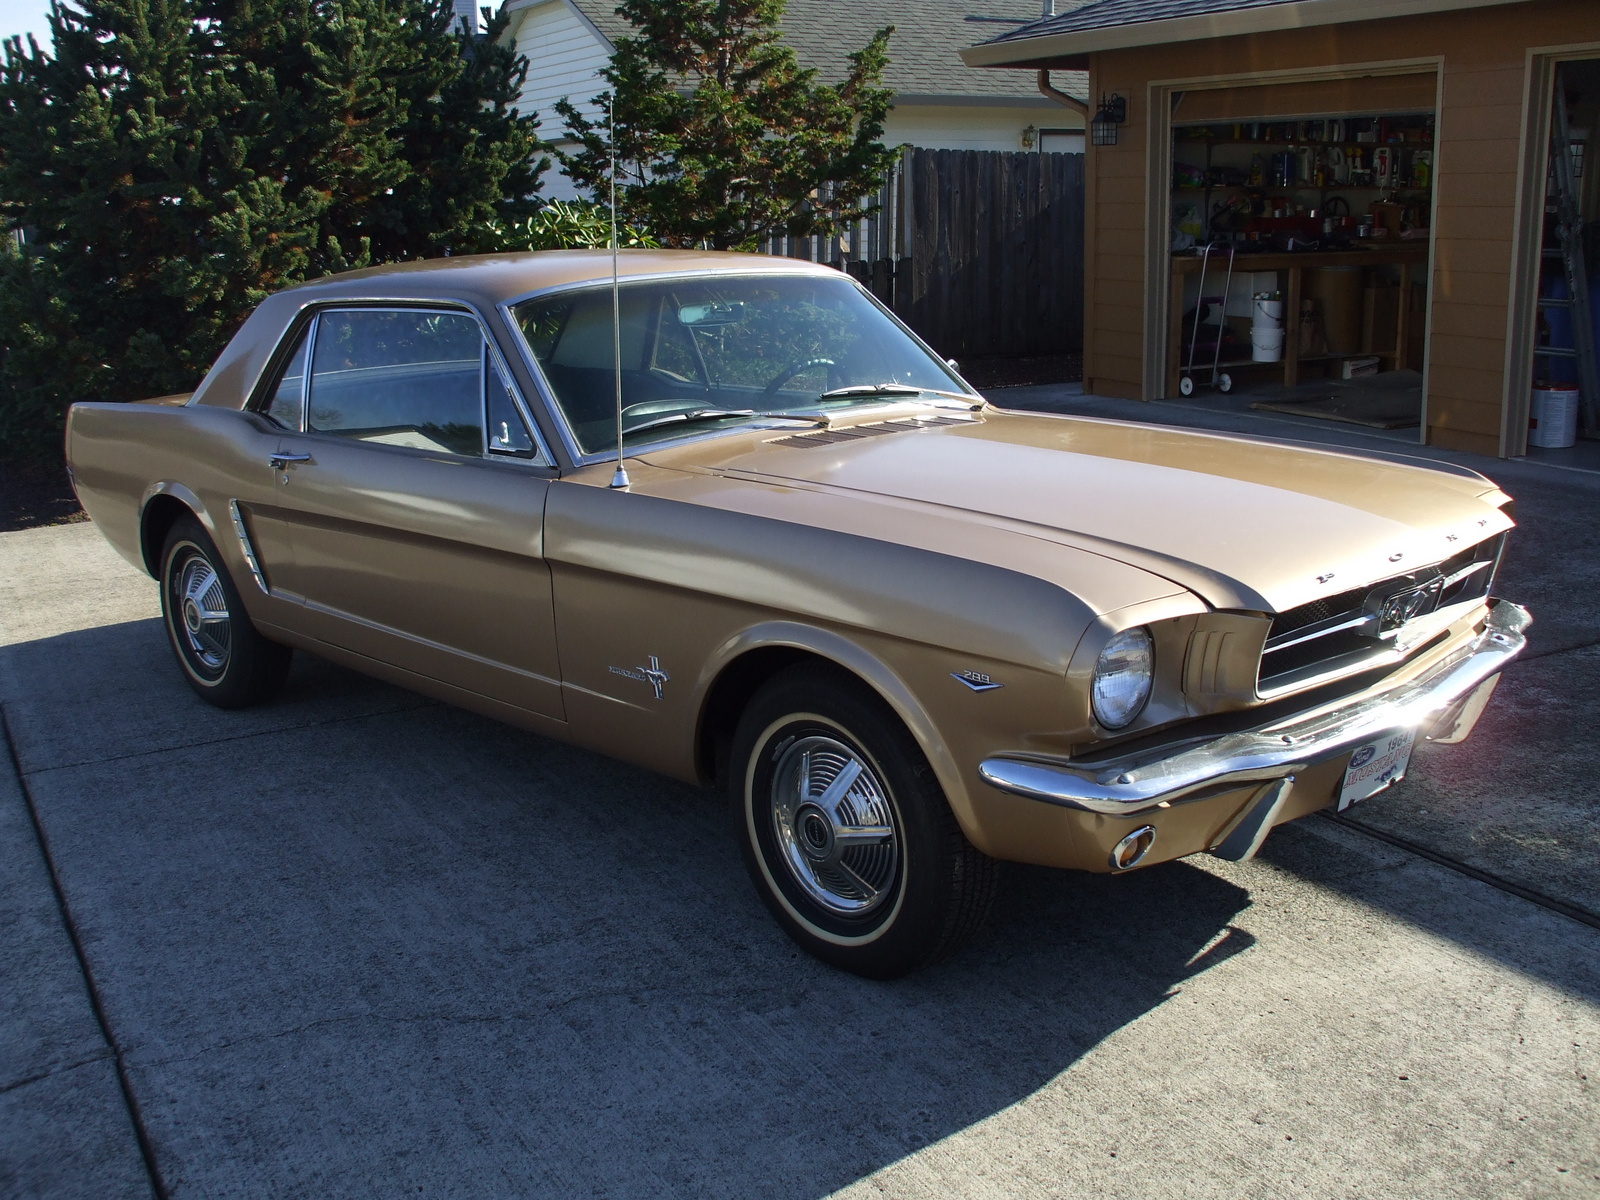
(1375, 765)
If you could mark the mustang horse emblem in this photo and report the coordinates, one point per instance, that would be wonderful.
(653, 675)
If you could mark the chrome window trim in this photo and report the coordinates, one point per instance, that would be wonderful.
(558, 416)
(545, 460)
(801, 267)
(257, 399)
(305, 374)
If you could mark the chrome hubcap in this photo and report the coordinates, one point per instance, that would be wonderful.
(835, 826)
(207, 629)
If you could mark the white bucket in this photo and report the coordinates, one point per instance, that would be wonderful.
(1553, 417)
(1268, 314)
(1266, 345)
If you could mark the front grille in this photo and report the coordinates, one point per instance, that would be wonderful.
(1356, 629)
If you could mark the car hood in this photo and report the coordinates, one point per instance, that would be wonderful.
(1244, 523)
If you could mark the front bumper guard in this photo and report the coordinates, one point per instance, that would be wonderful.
(1445, 699)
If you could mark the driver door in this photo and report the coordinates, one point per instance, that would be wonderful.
(414, 498)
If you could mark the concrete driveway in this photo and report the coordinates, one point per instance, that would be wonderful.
(356, 943)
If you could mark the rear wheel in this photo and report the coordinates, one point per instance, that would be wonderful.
(223, 656)
(846, 832)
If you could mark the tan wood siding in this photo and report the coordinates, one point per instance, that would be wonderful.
(1484, 56)
(1333, 97)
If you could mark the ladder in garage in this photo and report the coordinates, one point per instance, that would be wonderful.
(1563, 197)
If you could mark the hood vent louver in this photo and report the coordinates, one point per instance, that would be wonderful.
(852, 433)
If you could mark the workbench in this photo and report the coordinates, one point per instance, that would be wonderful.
(1408, 256)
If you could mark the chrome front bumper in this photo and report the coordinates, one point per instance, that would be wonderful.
(1442, 702)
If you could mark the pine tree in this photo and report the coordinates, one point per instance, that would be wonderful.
(174, 161)
(724, 138)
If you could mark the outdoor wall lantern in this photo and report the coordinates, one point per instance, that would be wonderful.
(1113, 111)
(1030, 136)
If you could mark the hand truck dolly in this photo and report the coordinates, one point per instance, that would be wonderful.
(1220, 379)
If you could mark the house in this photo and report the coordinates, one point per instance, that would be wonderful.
(938, 103)
(1409, 141)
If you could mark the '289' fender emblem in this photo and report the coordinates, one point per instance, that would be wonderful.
(976, 680)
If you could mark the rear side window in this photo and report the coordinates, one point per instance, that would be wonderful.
(287, 405)
(399, 378)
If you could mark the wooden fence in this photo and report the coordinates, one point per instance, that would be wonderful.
(981, 252)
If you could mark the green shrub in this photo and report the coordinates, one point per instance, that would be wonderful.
(175, 161)
(570, 225)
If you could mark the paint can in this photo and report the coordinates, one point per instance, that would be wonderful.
(1266, 345)
(1267, 312)
(1553, 416)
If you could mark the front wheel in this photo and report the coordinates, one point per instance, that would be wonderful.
(223, 656)
(846, 832)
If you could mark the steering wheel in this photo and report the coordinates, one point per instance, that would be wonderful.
(793, 369)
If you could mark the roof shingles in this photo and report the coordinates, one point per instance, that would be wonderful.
(1100, 14)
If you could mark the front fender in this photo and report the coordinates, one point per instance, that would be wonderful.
(864, 665)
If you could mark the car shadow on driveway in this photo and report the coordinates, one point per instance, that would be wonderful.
(355, 941)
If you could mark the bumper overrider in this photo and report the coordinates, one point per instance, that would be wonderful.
(1441, 704)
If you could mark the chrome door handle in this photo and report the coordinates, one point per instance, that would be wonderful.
(278, 461)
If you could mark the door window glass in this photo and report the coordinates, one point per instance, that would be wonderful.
(399, 378)
(287, 405)
(507, 433)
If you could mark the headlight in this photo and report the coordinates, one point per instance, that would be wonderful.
(1122, 677)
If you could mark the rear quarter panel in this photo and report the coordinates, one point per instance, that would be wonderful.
(123, 455)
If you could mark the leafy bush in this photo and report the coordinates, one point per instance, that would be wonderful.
(569, 225)
(175, 161)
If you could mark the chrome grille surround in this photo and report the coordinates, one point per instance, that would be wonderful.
(1367, 628)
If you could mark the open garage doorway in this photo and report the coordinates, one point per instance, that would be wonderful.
(1299, 227)
(1562, 399)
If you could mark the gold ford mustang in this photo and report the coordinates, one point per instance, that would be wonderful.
(908, 632)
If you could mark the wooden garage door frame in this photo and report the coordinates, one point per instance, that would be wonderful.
(1158, 194)
(1528, 224)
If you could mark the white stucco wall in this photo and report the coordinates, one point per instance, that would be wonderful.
(957, 127)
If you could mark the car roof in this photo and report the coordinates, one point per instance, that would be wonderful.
(482, 280)
(491, 279)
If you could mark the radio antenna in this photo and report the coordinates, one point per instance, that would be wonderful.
(620, 478)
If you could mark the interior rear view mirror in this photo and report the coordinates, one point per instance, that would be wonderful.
(715, 313)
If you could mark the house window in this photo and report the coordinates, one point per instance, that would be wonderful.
(1061, 141)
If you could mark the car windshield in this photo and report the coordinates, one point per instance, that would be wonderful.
(750, 347)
